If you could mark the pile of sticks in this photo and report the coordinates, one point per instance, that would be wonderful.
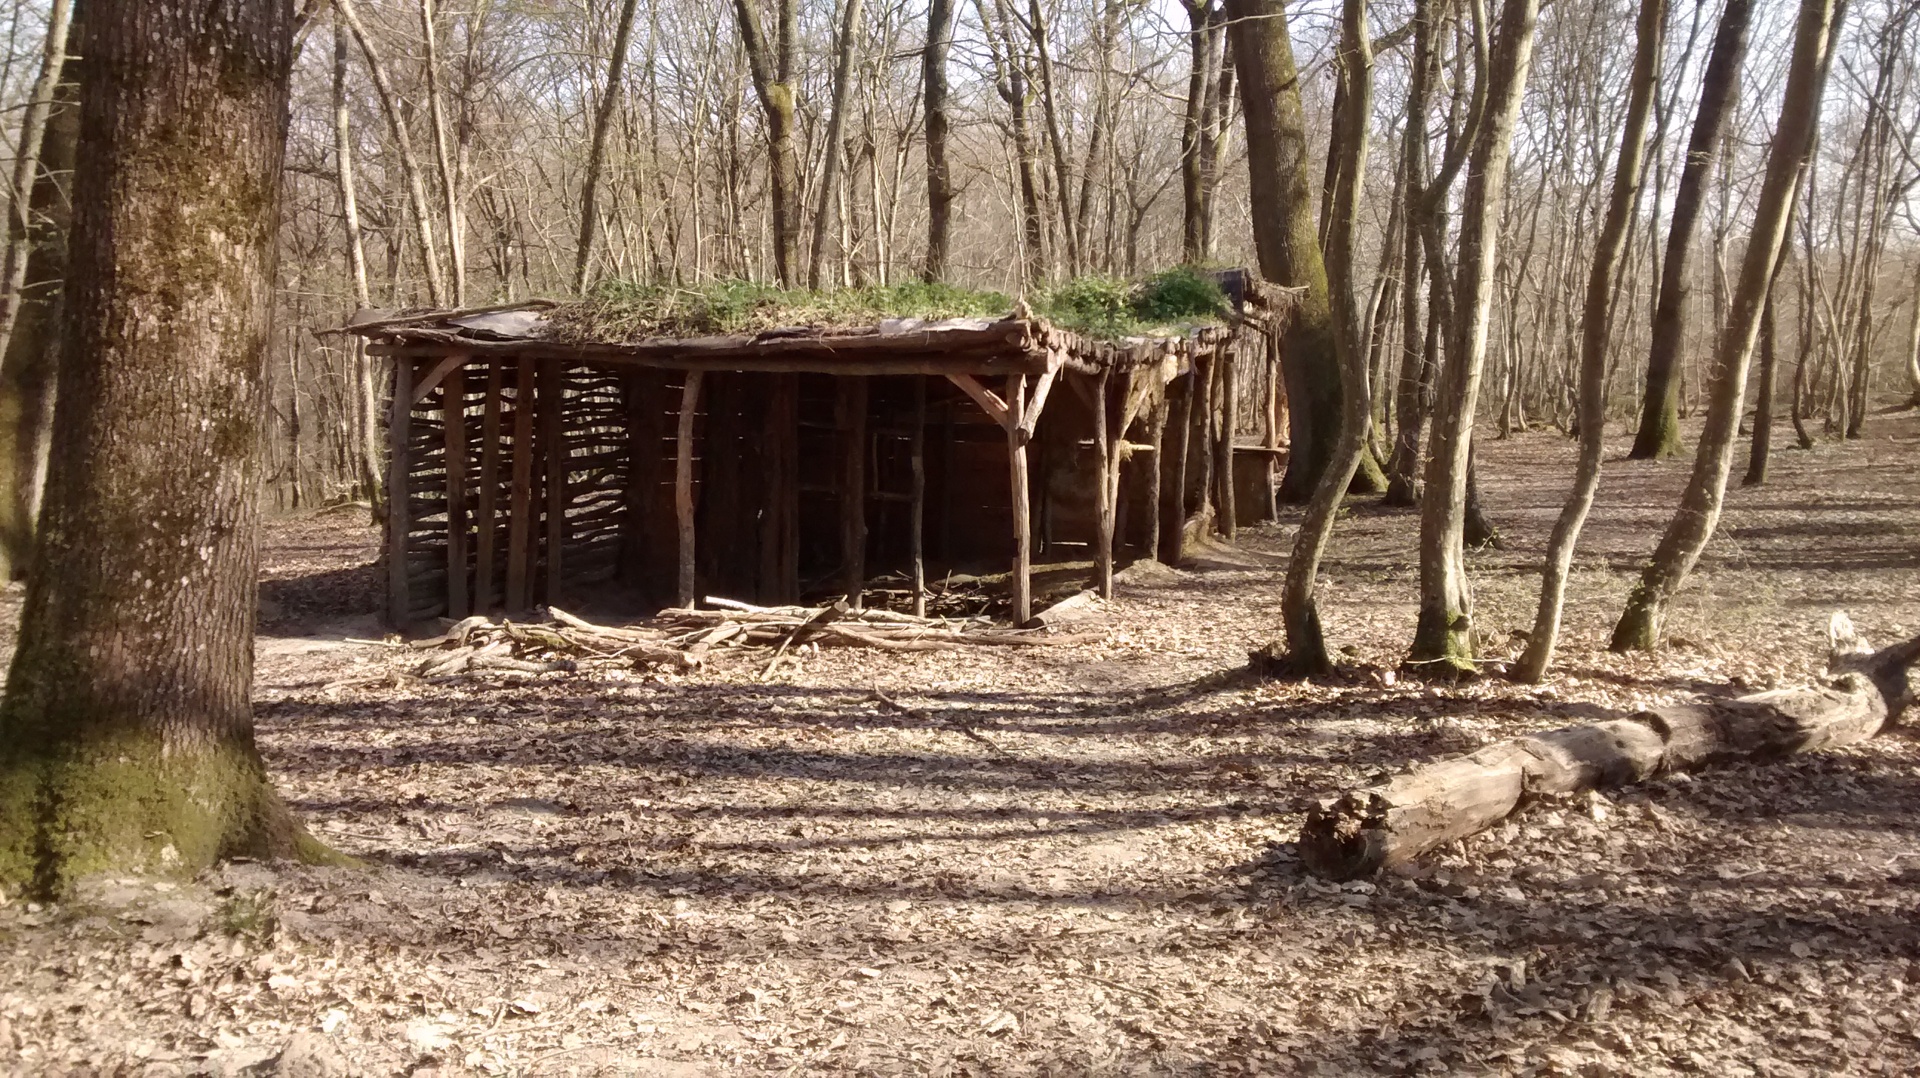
(683, 638)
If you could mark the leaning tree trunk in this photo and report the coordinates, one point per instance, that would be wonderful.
(1650, 40)
(1306, 645)
(597, 149)
(1659, 433)
(1361, 832)
(36, 263)
(126, 733)
(1687, 534)
(1443, 639)
(390, 106)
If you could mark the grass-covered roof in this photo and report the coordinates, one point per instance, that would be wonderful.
(1170, 303)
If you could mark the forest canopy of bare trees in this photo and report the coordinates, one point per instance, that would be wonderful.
(473, 152)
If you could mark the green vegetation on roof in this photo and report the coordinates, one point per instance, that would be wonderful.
(620, 311)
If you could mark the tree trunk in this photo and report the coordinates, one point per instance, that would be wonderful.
(1306, 645)
(823, 216)
(1443, 639)
(1284, 233)
(1762, 444)
(403, 144)
(1913, 341)
(126, 733)
(771, 65)
(1202, 31)
(1650, 40)
(449, 184)
(1687, 534)
(597, 150)
(1363, 831)
(940, 192)
(36, 262)
(366, 396)
(1659, 433)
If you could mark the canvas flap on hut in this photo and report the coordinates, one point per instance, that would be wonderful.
(532, 465)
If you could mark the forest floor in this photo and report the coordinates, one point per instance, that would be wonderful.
(1055, 861)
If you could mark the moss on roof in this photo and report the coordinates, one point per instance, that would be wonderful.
(616, 311)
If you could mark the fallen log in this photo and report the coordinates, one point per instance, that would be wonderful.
(1360, 832)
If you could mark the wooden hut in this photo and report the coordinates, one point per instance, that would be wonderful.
(795, 463)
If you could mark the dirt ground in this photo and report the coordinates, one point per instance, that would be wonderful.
(1055, 861)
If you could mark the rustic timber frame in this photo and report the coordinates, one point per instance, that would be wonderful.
(523, 470)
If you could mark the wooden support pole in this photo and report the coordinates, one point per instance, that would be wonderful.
(553, 442)
(984, 397)
(520, 507)
(399, 422)
(916, 523)
(1227, 378)
(850, 415)
(1156, 469)
(1200, 449)
(1022, 575)
(683, 485)
(487, 511)
(1272, 354)
(1173, 473)
(453, 411)
(1103, 489)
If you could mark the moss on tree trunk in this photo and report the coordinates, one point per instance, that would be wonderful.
(126, 733)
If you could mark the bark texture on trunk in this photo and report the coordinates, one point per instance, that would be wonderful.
(1659, 433)
(1305, 649)
(770, 62)
(1285, 233)
(1700, 503)
(939, 171)
(1443, 639)
(126, 733)
(1361, 832)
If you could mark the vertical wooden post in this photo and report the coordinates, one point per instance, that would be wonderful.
(399, 422)
(520, 507)
(1200, 448)
(1227, 378)
(486, 517)
(1156, 468)
(850, 407)
(1022, 582)
(1103, 487)
(1272, 354)
(553, 442)
(453, 411)
(916, 524)
(683, 486)
(1173, 475)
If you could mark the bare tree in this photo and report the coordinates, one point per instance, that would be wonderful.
(1650, 41)
(597, 153)
(1306, 645)
(1659, 433)
(1443, 640)
(940, 192)
(771, 64)
(1699, 513)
